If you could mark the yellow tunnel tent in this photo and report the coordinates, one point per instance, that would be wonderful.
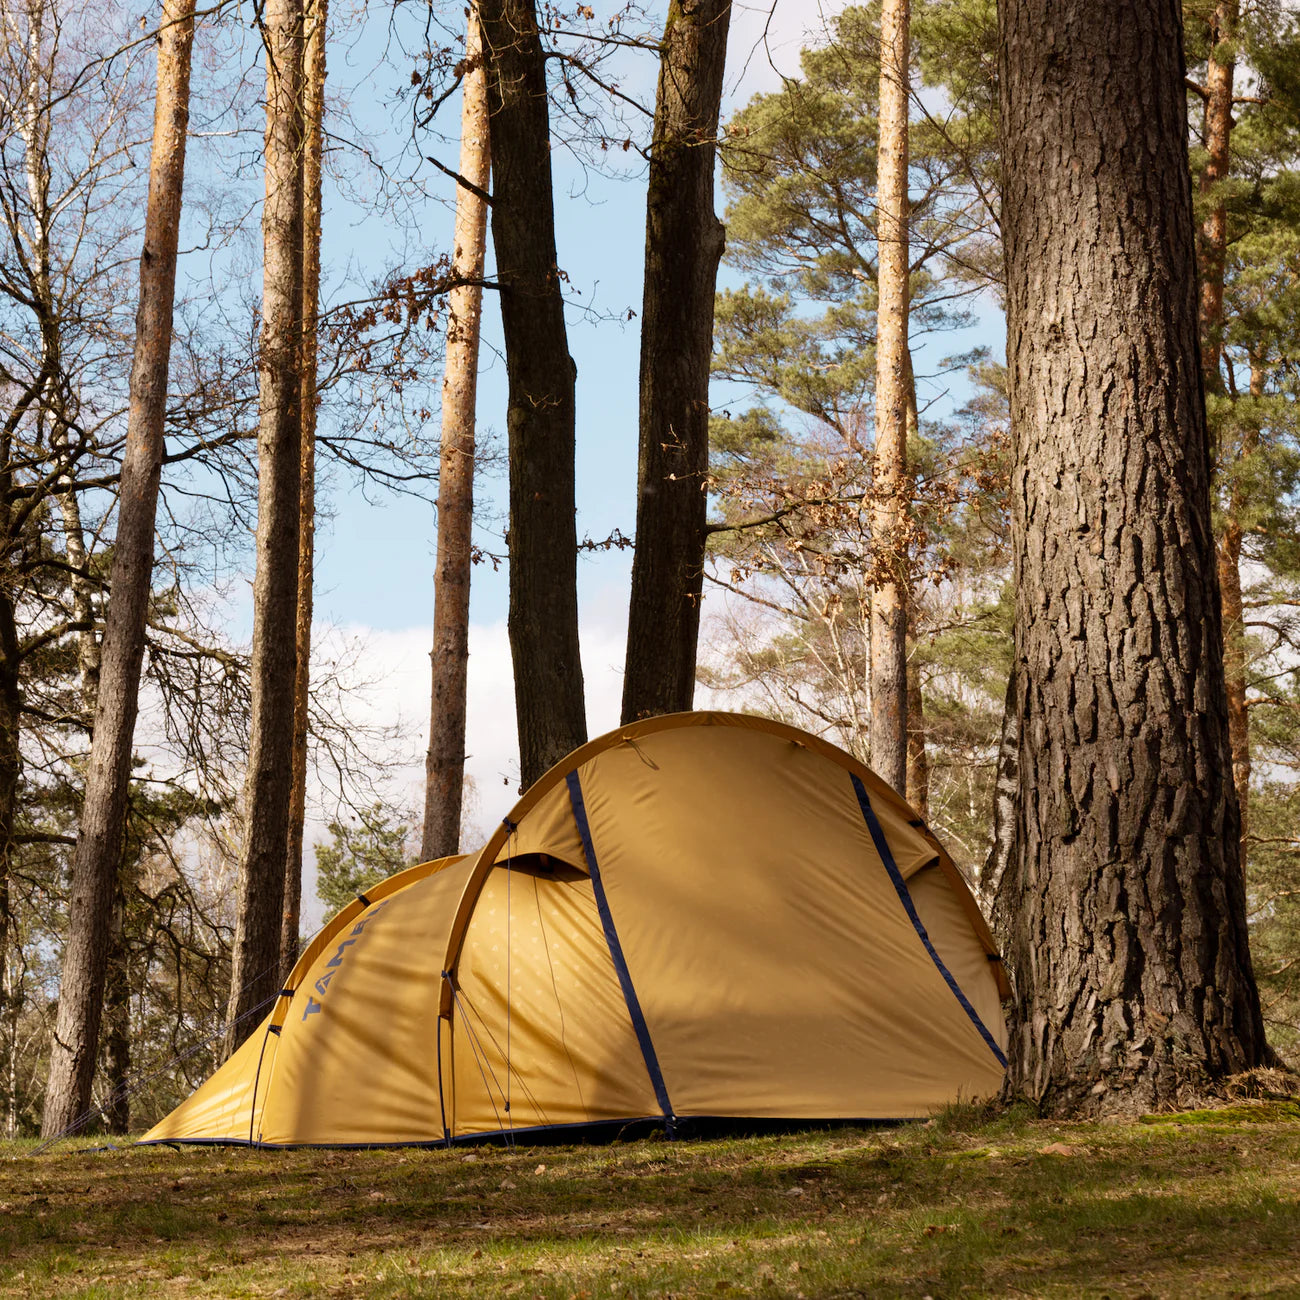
(698, 916)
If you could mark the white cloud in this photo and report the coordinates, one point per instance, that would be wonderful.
(392, 669)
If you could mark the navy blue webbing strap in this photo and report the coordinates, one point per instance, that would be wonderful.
(900, 887)
(616, 953)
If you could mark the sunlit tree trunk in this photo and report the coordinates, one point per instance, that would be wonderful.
(684, 240)
(445, 762)
(316, 17)
(255, 954)
(918, 760)
(97, 856)
(1213, 253)
(543, 621)
(1213, 243)
(1127, 939)
(1234, 615)
(889, 477)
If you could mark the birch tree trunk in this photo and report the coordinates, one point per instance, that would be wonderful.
(683, 245)
(1128, 941)
(99, 838)
(543, 621)
(316, 19)
(889, 479)
(255, 956)
(445, 762)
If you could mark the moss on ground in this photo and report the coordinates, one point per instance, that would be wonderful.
(970, 1204)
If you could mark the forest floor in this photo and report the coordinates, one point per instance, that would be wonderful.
(1200, 1204)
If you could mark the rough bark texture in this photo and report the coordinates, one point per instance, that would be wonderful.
(1128, 945)
(683, 245)
(1006, 795)
(444, 767)
(889, 479)
(316, 17)
(543, 621)
(255, 956)
(99, 838)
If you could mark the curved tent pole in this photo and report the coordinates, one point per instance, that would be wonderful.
(487, 855)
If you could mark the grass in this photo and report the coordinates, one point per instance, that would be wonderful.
(966, 1205)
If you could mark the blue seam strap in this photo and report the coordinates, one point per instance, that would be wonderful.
(900, 887)
(616, 953)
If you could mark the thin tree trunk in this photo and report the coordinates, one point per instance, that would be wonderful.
(10, 760)
(1133, 980)
(259, 919)
(99, 838)
(889, 479)
(683, 245)
(1213, 252)
(1213, 244)
(549, 705)
(445, 762)
(918, 761)
(316, 17)
(1234, 618)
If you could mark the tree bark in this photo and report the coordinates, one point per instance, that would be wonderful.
(1212, 249)
(1133, 980)
(255, 954)
(1213, 244)
(10, 754)
(543, 541)
(889, 477)
(1006, 797)
(683, 244)
(99, 838)
(1234, 619)
(445, 762)
(316, 19)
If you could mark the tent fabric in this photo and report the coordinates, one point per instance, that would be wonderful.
(699, 915)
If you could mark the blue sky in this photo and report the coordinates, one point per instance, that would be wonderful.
(376, 551)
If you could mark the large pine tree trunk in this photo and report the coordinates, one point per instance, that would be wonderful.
(444, 767)
(1128, 941)
(889, 475)
(255, 954)
(99, 838)
(316, 17)
(683, 245)
(1006, 797)
(549, 704)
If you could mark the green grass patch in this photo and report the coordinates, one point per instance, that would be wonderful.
(974, 1203)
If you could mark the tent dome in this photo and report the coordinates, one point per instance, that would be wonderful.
(699, 915)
